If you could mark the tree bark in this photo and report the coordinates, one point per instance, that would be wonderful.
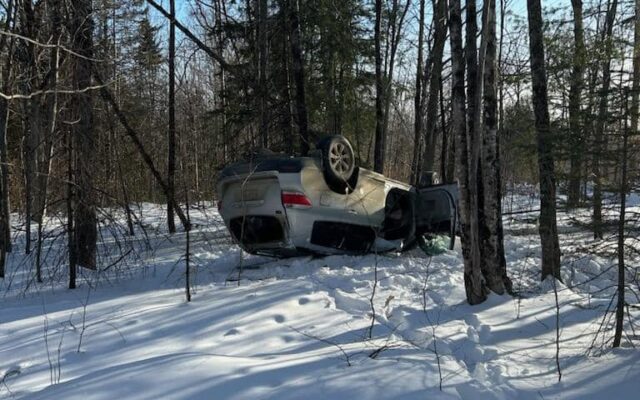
(418, 100)
(633, 131)
(599, 146)
(393, 40)
(431, 112)
(575, 121)
(262, 72)
(547, 224)
(617, 337)
(298, 75)
(495, 264)
(379, 147)
(85, 231)
(5, 222)
(171, 162)
(475, 284)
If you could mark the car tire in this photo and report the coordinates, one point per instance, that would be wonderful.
(338, 163)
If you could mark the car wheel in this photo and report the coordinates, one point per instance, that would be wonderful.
(338, 163)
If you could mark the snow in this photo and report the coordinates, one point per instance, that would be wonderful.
(299, 328)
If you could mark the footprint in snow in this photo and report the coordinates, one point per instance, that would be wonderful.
(303, 300)
(472, 319)
(279, 318)
(485, 332)
(472, 334)
(232, 332)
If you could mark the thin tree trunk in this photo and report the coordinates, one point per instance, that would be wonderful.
(44, 146)
(575, 93)
(5, 222)
(394, 41)
(503, 14)
(379, 146)
(547, 224)
(84, 223)
(599, 140)
(171, 162)
(5, 242)
(495, 264)
(475, 284)
(418, 100)
(71, 234)
(621, 224)
(298, 75)
(31, 117)
(473, 280)
(431, 112)
(623, 184)
(262, 72)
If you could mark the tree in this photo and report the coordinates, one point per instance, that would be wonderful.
(379, 149)
(171, 162)
(5, 71)
(599, 144)
(83, 143)
(631, 131)
(418, 98)
(493, 243)
(263, 43)
(434, 65)
(547, 224)
(473, 280)
(292, 8)
(575, 95)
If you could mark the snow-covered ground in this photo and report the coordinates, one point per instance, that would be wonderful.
(300, 328)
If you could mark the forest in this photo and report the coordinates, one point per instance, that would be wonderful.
(110, 106)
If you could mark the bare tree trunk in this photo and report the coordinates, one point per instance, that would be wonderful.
(575, 94)
(379, 147)
(621, 222)
(31, 117)
(444, 148)
(5, 242)
(599, 146)
(71, 234)
(547, 225)
(623, 184)
(474, 282)
(475, 288)
(5, 223)
(171, 162)
(262, 72)
(418, 100)
(431, 112)
(298, 75)
(503, 14)
(393, 40)
(83, 136)
(496, 266)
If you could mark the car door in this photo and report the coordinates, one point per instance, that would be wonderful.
(436, 211)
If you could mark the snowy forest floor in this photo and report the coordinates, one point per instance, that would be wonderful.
(299, 328)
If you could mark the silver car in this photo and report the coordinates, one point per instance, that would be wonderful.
(324, 204)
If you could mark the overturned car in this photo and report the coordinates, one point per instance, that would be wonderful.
(325, 204)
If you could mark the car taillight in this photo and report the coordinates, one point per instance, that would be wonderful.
(295, 200)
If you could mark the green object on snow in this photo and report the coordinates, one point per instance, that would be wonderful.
(434, 245)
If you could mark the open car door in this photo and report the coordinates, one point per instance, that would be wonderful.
(436, 211)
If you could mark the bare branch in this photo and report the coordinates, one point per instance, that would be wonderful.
(47, 45)
(51, 91)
